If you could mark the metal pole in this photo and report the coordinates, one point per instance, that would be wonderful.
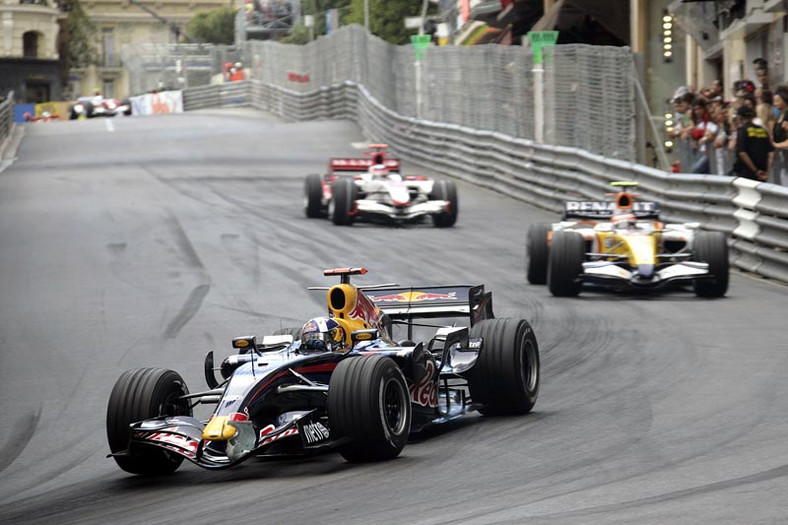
(423, 16)
(538, 72)
(366, 15)
(417, 65)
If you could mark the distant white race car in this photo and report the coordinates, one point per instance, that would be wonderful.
(373, 189)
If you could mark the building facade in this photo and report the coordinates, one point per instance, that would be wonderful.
(29, 60)
(123, 22)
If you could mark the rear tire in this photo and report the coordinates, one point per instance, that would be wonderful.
(140, 394)
(313, 196)
(565, 264)
(538, 252)
(445, 190)
(712, 248)
(343, 201)
(369, 402)
(505, 378)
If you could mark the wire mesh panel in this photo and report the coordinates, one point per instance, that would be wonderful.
(588, 90)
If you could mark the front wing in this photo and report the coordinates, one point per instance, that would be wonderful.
(606, 273)
(183, 435)
(371, 208)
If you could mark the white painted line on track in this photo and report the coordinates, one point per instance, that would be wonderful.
(110, 125)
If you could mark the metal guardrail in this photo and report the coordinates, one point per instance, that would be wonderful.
(754, 215)
(6, 120)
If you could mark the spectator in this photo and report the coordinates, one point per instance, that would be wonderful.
(720, 117)
(716, 89)
(681, 114)
(780, 131)
(762, 72)
(754, 150)
(763, 109)
(703, 132)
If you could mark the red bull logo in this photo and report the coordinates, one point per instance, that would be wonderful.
(415, 297)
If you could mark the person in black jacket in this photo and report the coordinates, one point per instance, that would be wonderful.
(754, 149)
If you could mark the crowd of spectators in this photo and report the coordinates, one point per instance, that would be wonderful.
(746, 136)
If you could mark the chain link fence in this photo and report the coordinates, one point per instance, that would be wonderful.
(589, 90)
(175, 66)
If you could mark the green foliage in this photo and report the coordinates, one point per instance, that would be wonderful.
(300, 35)
(213, 27)
(82, 31)
(386, 18)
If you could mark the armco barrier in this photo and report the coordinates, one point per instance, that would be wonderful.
(754, 215)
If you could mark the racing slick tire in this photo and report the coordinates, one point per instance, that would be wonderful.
(313, 196)
(445, 190)
(139, 394)
(712, 248)
(369, 403)
(565, 264)
(538, 252)
(342, 208)
(505, 378)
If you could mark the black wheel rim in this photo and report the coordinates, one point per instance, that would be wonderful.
(529, 368)
(393, 405)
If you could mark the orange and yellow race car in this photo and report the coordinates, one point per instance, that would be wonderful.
(622, 244)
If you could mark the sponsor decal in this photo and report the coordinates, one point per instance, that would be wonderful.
(415, 297)
(263, 440)
(176, 441)
(315, 432)
(425, 392)
(241, 343)
(363, 336)
(367, 311)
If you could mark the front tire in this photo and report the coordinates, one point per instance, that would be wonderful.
(313, 196)
(538, 252)
(343, 201)
(565, 264)
(712, 248)
(505, 378)
(445, 190)
(368, 402)
(140, 394)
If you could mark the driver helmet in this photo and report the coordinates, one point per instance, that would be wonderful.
(323, 333)
(378, 170)
(624, 220)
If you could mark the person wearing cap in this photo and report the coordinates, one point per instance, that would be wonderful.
(754, 149)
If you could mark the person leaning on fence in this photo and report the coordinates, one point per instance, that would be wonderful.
(703, 132)
(754, 149)
(780, 131)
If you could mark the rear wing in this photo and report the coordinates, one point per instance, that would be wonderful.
(602, 210)
(358, 165)
(433, 301)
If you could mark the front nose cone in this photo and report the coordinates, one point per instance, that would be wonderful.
(646, 271)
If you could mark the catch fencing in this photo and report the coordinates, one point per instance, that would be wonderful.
(6, 120)
(589, 100)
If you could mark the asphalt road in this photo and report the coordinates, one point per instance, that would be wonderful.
(148, 241)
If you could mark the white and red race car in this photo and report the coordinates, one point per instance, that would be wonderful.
(98, 106)
(372, 188)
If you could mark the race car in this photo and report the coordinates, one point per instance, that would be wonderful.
(622, 244)
(341, 382)
(98, 106)
(373, 189)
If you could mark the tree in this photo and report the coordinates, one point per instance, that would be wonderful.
(82, 51)
(386, 18)
(214, 27)
(300, 35)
